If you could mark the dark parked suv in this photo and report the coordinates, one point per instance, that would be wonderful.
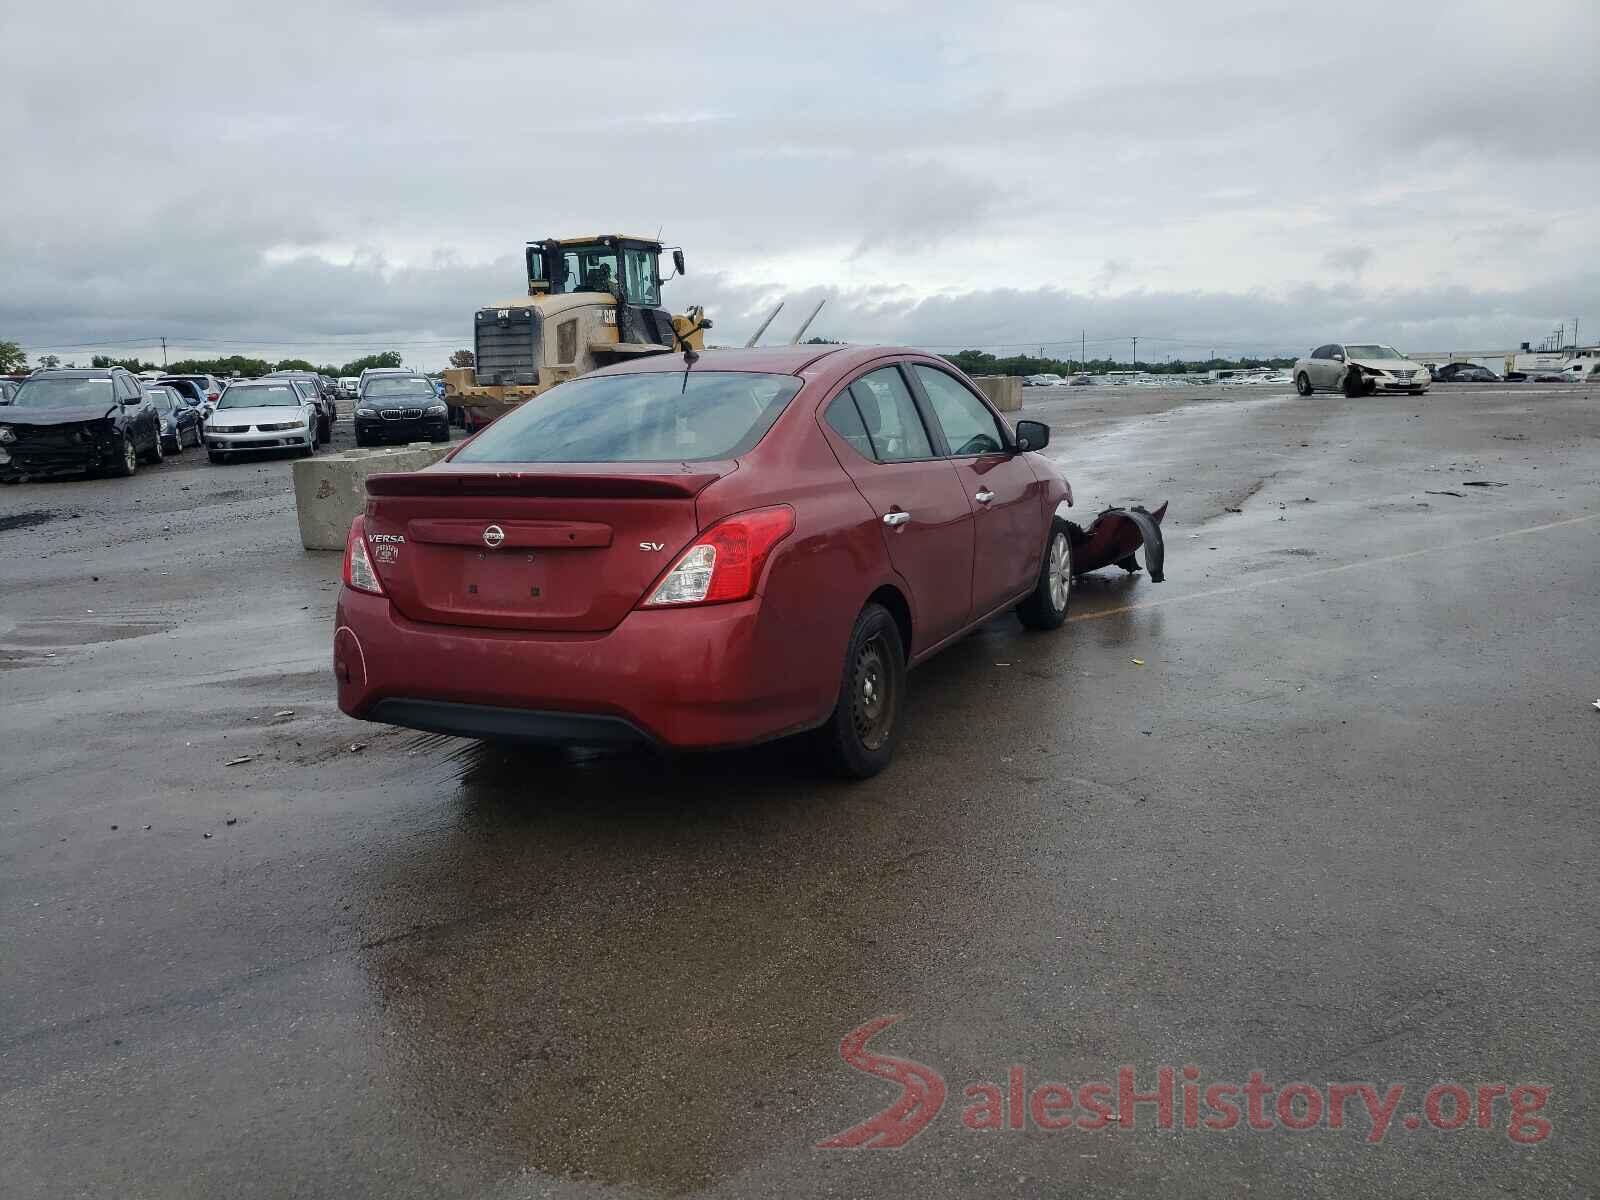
(67, 422)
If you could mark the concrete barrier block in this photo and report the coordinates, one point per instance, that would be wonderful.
(330, 489)
(1004, 391)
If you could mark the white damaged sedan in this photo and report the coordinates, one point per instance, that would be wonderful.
(1359, 370)
(275, 414)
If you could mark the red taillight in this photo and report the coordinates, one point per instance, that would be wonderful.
(726, 561)
(358, 572)
(213, 395)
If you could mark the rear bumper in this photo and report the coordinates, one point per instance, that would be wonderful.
(494, 723)
(685, 678)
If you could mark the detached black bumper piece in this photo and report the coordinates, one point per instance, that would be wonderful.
(530, 726)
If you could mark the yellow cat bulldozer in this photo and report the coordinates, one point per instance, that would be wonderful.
(591, 301)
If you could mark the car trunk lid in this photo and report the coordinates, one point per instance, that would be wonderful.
(556, 548)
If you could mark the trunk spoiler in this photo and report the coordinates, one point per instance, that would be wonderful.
(592, 485)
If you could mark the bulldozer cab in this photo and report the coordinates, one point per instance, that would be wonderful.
(618, 266)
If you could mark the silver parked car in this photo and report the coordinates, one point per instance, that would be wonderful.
(274, 414)
(1358, 370)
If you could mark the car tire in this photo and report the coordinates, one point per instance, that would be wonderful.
(157, 452)
(1302, 384)
(1353, 386)
(1046, 606)
(859, 738)
(128, 459)
(177, 444)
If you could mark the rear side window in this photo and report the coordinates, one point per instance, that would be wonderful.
(969, 426)
(843, 417)
(890, 417)
(657, 416)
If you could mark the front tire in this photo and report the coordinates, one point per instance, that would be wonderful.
(860, 736)
(158, 450)
(128, 462)
(1302, 384)
(1046, 605)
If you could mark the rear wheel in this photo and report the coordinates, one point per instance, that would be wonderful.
(1302, 384)
(860, 736)
(1046, 605)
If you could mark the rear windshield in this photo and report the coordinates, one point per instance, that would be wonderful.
(390, 385)
(655, 417)
(274, 395)
(62, 393)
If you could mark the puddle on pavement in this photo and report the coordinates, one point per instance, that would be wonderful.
(630, 969)
(66, 633)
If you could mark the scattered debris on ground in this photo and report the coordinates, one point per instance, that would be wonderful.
(234, 762)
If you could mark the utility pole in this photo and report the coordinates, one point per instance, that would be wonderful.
(1135, 353)
(163, 354)
(1083, 361)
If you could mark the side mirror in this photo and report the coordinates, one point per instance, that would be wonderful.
(1338, 358)
(1032, 435)
(677, 261)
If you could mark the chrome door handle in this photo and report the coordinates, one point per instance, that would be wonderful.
(983, 496)
(896, 518)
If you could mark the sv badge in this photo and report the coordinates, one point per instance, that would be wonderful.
(652, 545)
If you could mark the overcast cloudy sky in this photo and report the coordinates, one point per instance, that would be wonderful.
(1246, 175)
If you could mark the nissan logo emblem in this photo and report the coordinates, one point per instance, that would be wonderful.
(493, 536)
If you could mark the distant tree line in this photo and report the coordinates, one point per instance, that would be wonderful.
(978, 362)
(240, 364)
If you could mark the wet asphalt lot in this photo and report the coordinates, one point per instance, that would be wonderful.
(1339, 826)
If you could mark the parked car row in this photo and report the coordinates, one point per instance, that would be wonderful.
(70, 421)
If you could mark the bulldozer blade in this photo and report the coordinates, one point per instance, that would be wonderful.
(1113, 537)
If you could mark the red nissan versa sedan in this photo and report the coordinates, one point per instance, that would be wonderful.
(699, 555)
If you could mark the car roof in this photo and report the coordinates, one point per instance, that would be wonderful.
(80, 372)
(781, 360)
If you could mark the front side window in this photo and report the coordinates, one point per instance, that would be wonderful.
(890, 417)
(589, 269)
(639, 278)
(657, 416)
(969, 426)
